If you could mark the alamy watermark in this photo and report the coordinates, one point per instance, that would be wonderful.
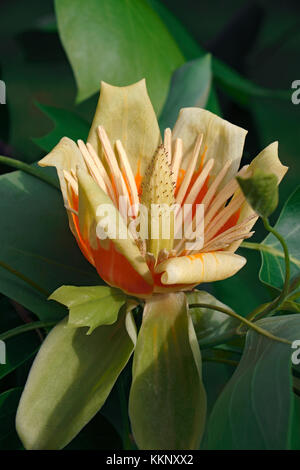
(296, 354)
(2, 92)
(2, 352)
(160, 221)
(296, 93)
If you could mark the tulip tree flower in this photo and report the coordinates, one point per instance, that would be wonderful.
(126, 159)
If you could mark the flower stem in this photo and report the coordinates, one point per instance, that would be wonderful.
(31, 170)
(250, 324)
(280, 238)
(24, 278)
(24, 328)
(271, 307)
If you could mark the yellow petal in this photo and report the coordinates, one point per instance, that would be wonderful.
(64, 156)
(202, 267)
(222, 140)
(127, 114)
(91, 197)
(268, 161)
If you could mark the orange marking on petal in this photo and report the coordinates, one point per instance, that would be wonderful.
(127, 186)
(200, 195)
(181, 175)
(114, 185)
(230, 222)
(138, 178)
(195, 256)
(202, 158)
(117, 271)
(83, 244)
(193, 179)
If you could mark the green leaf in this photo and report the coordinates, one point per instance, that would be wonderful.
(118, 42)
(190, 48)
(239, 88)
(20, 349)
(91, 306)
(294, 438)
(211, 327)
(66, 124)
(254, 410)
(70, 380)
(49, 80)
(212, 103)
(261, 191)
(272, 271)
(190, 86)
(8, 404)
(36, 241)
(167, 403)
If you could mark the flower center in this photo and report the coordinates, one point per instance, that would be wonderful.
(158, 198)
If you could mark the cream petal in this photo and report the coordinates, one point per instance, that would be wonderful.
(65, 156)
(268, 161)
(202, 267)
(91, 197)
(224, 141)
(127, 114)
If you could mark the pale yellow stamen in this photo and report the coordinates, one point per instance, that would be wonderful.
(70, 209)
(91, 165)
(72, 181)
(168, 144)
(196, 188)
(206, 200)
(113, 165)
(229, 189)
(221, 244)
(236, 230)
(217, 223)
(128, 173)
(190, 170)
(215, 184)
(102, 171)
(198, 185)
(177, 157)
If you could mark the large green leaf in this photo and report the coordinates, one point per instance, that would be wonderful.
(38, 81)
(18, 349)
(235, 85)
(239, 88)
(211, 326)
(190, 86)
(118, 42)
(66, 124)
(70, 380)
(186, 42)
(8, 404)
(288, 225)
(91, 306)
(254, 410)
(36, 241)
(167, 403)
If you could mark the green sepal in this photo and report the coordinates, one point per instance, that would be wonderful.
(70, 380)
(261, 191)
(211, 326)
(91, 306)
(167, 403)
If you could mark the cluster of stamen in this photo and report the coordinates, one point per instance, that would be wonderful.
(162, 184)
